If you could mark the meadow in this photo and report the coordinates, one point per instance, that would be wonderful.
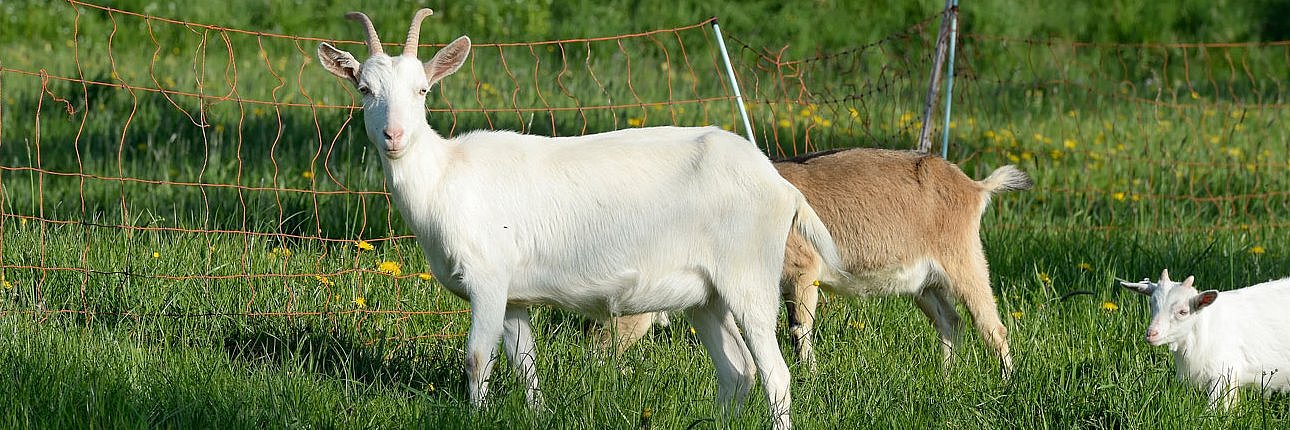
(196, 235)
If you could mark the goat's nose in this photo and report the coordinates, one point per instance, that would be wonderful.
(393, 134)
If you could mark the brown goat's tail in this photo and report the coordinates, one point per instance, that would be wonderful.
(1006, 178)
(809, 225)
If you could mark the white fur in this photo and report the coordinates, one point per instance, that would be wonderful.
(630, 221)
(1222, 340)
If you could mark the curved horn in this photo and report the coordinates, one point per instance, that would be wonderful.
(414, 32)
(373, 41)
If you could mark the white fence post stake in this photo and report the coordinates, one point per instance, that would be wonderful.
(934, 81)
(734, 84)
(949, 78)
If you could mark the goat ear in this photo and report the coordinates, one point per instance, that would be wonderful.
(1205, 298)
(1143, 288)
(447, 60)
(1164, 276)
(338, 62)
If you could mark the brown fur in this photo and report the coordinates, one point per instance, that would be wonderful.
(890, 212)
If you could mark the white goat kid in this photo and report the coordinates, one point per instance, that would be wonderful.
(630, 221)
(1222, 341)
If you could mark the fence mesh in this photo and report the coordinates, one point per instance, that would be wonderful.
(160, 168)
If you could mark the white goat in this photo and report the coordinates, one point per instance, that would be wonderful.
(905, 223)
(630, 221)
(1221, 341)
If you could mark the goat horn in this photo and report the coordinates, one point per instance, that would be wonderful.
(414, 33)
(373, 41)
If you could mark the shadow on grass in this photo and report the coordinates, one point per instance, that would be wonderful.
(340, 354)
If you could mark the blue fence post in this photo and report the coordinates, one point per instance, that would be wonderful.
(734, 84)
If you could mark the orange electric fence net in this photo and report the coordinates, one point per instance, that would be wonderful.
(153, 167)
(1166, 138)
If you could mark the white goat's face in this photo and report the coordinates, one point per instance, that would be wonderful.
(1174, 306)
(394, 97)
(394, 88)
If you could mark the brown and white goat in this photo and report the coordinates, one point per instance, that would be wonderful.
(904, 223)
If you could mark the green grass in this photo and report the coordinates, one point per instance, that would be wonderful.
(176, 261)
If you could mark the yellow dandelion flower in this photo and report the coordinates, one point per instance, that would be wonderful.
(323, 280)
(815, 283)
(1043, 277)
(1256, 250)
(783, 123)
(1085, 267)
(988, 134)
(1069, 143)
(424, 276)
(1072, 113)
(1195, 95)
(1109, 307)
(692, 332)
(156, 255)
(805, 113)
(858, 325)
(430, 387)
(853, 112)
(635, 122)
(1118, 196)
(7, 285)
(363, 245)
(360, 302)
(1016, 315)
(308, 174)
(906, 117)
(282, 251)
(390, 268)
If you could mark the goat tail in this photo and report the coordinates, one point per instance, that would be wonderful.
(809, 225)
(1007, 178)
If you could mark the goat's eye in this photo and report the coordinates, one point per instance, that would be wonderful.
(1182, 312)
(423, 91)
(364, 90)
